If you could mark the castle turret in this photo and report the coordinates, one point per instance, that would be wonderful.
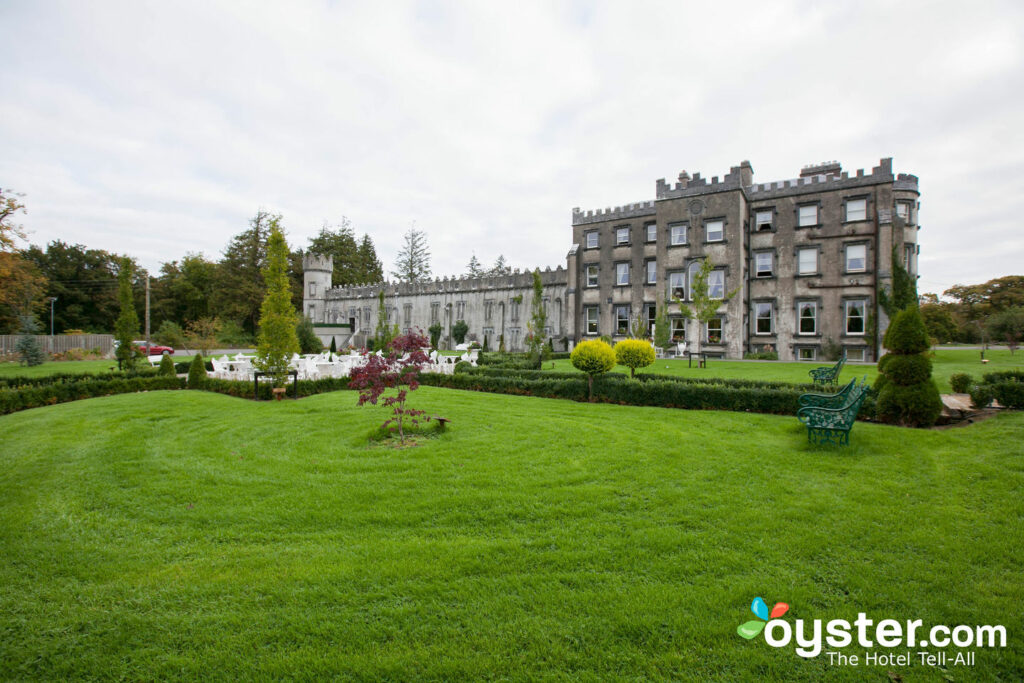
(316, 280)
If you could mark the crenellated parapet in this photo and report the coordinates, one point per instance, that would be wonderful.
(634, 210)
(451, 285)
(830, 176)
(737, 178)
(318, 262)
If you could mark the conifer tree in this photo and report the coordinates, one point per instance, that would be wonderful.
(126, 329)
(413, 262)
(371, 271)
(277, 340)
(27, 345)
(538, 321)
(474, 269)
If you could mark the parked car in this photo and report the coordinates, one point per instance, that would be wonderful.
(154, 349)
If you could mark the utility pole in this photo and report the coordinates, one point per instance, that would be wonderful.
(147, 314)
(52, 300)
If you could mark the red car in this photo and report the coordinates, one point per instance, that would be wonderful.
(154, 349)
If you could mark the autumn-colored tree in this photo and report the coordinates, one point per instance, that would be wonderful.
(398, 367)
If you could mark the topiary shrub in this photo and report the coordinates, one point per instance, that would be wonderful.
(634, 353)
(961, 382)
(196, 373)
(593, 357)
(981, 395)
(166, 366)
(906, 393)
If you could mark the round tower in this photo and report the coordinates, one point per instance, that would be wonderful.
(316, 280)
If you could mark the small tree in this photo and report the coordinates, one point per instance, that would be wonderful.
(27, 346)
(459, 331)
(906, 393)
(435, 335)
(383, 333)
(334, 347)
(1008, 326)
(593, 357)
(634, 353)
(170, 334)
(202, 335)
(166, 366)
(703, 306)
(197, 372)
(308, 341)
(662, 333)
(538, 321)
(277, 341)
(398, 368)
(501, 343)
(126, 329)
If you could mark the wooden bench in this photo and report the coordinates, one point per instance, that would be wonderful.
(443, 421)
(832, 425)
(830, 400)
(826, 376)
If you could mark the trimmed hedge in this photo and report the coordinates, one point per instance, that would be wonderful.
(1003, 376)
(306, 387)
(182, 368)
(65, 378)
(25, 397)
(659, 392)
(1009, 394)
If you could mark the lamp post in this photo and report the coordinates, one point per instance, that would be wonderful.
(52, 300)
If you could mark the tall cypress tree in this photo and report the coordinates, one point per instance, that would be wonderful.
(277, 339)
(126, 329)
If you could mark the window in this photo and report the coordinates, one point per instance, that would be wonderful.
(652, 272)
(312, 289)
(514, 335)
(435, 312)
(676, 282)
(763, 264)
(714, 335)
(621, 273)
(763, 314)
(677, 234)
(714, 231)
(856, 209)
(592, 275)
(652, 314)
(903, 210)
(716, 284)
(622, 235)
(763, 220)
(622, 320)
(855, 314)
(590, 319)
(460, 310)
(310, 310)
(592, 239)
(678, 329)
(807, 353)
(855, 353)
(652, 232)
(407, 312)
(488, 310)
(515, 311)
(856, 258)
(807, 261)
(908, 257)
(807, 215)
(807, 317)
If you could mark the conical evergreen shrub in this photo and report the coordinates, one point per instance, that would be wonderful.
(166, 366)
(197, 372)
(906, 393)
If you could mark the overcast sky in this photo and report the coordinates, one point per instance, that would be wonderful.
(156, 128)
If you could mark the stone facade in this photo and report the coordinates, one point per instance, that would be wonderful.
(800, 262)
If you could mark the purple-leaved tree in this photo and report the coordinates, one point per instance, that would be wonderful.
(398, 367)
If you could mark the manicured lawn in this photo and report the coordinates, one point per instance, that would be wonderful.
(186, 535)
(946, 363)
(78, 367)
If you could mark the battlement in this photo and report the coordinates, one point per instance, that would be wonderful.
(737, 178)
(452, 285)
(320, 262)
(828, 176)
(825, 168)
(626, 211)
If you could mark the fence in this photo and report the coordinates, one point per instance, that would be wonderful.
(62, 342)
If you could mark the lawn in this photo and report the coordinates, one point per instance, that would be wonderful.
(187, 535)
(946, 362)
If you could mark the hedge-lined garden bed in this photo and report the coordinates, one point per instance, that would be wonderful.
(38, 395)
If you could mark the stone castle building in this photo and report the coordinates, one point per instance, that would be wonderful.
(798, 264)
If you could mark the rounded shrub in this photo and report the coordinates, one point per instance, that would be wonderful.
(981, 395)
(961, 382)
(196, 372)
(907, 370)
(916, 405)
(1009, 394)
(593, 357)
(166, 366)
(907, 333)
(634, 353)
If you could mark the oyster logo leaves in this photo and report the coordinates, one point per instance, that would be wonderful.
(750, 629)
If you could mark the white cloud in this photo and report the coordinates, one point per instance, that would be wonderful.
(156, 129)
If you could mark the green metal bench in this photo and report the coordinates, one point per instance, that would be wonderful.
(826, 376)
(835, 400)
(832, 425)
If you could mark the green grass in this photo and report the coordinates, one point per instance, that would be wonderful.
(946, 362)
(186, 535)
